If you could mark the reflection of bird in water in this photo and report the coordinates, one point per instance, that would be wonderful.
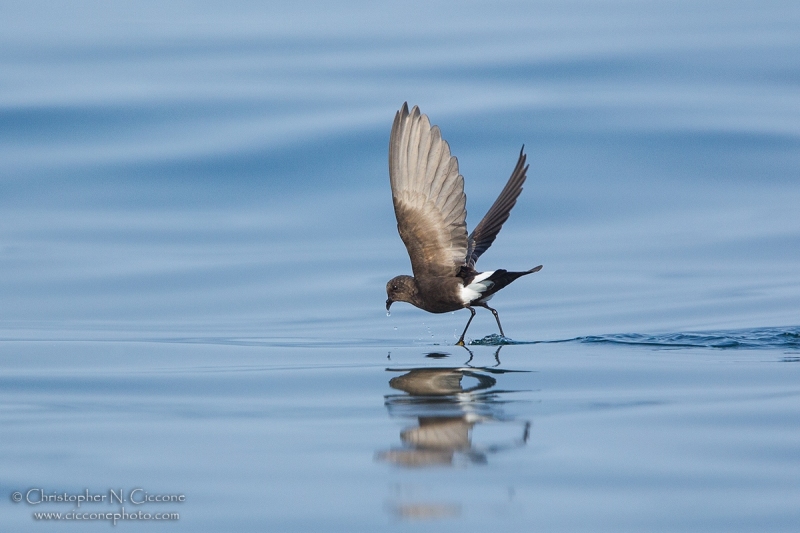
(434, 442)
(426, 511)
(438, 381)
(430, 206)
(439, 433)
(446, 413)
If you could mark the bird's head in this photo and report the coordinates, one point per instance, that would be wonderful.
(401, 289)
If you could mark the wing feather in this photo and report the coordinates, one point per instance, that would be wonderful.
(428, 195)
(487, 229)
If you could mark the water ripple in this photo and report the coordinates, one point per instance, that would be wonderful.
(763, 338)
(756, 338)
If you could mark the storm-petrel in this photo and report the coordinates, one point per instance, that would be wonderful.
(430, 205)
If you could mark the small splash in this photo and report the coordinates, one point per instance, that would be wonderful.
(494, 340)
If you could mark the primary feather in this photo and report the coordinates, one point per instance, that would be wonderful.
(428, 195)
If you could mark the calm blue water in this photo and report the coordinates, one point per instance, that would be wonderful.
(196, 230)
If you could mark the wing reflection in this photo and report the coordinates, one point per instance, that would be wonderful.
(448, 403)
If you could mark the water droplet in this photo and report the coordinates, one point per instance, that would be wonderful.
(388, 313)
(395, 328)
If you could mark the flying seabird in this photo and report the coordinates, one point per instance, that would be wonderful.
(430, 206)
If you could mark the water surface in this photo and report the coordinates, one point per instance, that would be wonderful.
(196, 229)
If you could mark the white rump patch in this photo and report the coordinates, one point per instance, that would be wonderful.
(475, 290)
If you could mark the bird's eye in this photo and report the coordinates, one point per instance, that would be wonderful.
(394, 287)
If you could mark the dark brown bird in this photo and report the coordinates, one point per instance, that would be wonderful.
(430, 206)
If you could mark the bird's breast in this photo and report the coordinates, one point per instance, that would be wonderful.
(440, 294)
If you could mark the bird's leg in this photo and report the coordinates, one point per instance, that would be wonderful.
(471, 355)
(461, 340)
(496, 317)
(497, 355)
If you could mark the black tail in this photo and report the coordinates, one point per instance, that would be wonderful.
(503, 278)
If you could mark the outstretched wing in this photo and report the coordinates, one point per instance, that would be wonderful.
(428, 194)
(487, 229)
